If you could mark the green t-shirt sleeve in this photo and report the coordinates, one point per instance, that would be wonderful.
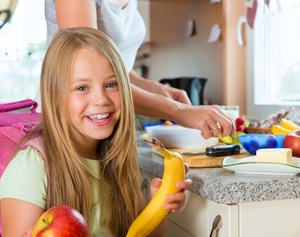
(25, 178)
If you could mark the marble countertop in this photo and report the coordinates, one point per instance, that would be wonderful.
(227, 187)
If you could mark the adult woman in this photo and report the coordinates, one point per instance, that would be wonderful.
(83, 153)
(120, 20)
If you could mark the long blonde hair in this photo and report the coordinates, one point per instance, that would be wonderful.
(69, 182)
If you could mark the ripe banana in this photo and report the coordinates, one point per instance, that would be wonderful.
(278, 129)
(288, 124)
(154, 213)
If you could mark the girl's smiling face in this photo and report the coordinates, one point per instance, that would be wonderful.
(94, 101)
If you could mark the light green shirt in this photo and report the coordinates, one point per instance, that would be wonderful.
(25, 179)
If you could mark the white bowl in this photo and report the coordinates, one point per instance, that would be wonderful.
(176, 136)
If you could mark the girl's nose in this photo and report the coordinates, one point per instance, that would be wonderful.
(100, 99)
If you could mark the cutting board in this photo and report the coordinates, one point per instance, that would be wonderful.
(201, 161)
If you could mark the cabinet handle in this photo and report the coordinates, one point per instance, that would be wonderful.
(216, 225)
(242, 20)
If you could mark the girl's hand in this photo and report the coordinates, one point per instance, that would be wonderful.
(177, 200)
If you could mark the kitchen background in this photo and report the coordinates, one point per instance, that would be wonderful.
(191, 38)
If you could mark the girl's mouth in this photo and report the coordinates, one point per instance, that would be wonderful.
(98, 117)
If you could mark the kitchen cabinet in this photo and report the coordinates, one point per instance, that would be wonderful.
(195, 219)
(251, 205)
(174, 53)
(275, 218)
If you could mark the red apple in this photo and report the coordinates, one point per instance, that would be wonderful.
(240, 128)
(292, 140)
(240, 120)
(61, 221)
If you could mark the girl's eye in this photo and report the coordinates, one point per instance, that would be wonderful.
(81, 88)
(112, 85)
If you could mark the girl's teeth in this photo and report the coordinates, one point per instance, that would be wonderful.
(99, 116)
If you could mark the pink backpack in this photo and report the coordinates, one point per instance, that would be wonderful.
(13, 126)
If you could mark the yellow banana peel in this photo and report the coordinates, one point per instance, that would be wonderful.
(154, 214)
(288, 124)
(279, 130)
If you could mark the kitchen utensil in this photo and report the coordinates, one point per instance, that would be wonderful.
(253, 142)
(248, 165)
(218, 150)
(217, 224)
(223, 150)
(175, 136)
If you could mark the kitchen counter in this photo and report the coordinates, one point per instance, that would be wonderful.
(224, 186)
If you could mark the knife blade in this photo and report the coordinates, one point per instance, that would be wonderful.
(193, 153)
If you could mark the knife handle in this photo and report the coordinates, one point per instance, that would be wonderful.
(223, 150)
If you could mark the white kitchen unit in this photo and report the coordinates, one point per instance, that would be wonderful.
(278, 218)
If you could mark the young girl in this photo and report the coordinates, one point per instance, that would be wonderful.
(84, 152)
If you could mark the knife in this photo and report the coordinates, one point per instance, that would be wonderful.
(218, 150)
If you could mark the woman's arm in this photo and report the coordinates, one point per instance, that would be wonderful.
(204, 118)
(17, 216)
(158, 88)
(75, 13)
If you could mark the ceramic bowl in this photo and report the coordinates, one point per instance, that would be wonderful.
(253, 142)
(175, 136)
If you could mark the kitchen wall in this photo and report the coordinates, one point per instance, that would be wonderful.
(174, 54)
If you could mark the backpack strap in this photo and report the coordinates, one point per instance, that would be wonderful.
(36, 143)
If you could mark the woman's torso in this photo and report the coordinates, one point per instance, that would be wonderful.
(124, 26)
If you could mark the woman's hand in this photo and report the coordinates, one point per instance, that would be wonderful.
(159, 88)
(209, 119)
(173, 93)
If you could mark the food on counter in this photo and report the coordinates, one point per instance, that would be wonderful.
(265, 125)
(241, 123)
(278, 155)
(278, 129)
(292, 140)
(61, 221)
(168, 123)
(227, 139)
(153, 213)
(288, 124)
(230, 139)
